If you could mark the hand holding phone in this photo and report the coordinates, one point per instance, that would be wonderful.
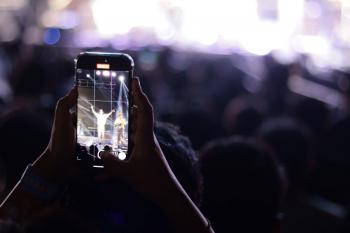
(57, 163)
(149, 173)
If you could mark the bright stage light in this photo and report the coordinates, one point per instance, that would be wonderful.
(255, 26)
(98, 72)
(122, 156)
(114, 74)
(121, 78)
(105, 73)
(114, 17)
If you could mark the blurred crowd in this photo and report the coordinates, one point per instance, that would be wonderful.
(259, 157)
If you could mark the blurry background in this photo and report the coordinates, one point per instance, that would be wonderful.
(313, 33)
(215, 68)
(193, 55)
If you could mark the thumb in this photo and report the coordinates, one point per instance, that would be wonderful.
(144, 121)
(66, 103)
(113, 166)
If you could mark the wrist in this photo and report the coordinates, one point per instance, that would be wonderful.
(180, 209)
(170, 194)
(46, 168)
(38, 186)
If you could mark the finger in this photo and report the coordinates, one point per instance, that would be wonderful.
(111, 162)
(67, 102)
(140, 98)
(144, 108)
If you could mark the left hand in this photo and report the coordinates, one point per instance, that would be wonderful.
(57, 163)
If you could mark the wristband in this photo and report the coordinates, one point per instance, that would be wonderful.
(37, 186)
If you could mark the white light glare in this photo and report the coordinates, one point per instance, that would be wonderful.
(114, 74)
(105, 73)
(112, 17)
(121, 78)
(98, 72)
(122, 156)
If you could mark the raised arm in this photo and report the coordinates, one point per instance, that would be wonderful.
(93, 111)
(108, 114)
(27, 198)
(148, 172)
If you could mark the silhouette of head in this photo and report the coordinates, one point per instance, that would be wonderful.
(241, 186)
(291, 144)
(181, 157)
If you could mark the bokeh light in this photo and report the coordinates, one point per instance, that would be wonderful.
(52, 36)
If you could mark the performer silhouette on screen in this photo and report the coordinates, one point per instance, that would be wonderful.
(101, 121)
(120, 124)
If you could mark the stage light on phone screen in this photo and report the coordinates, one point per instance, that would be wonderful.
(106, 73)
(121, 78)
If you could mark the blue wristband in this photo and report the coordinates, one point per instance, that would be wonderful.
(37, 186)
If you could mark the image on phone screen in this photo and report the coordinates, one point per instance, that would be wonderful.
(102, 113)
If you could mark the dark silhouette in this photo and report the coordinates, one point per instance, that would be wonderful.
(242, 187)
(23, 135)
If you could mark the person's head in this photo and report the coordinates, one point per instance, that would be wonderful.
(101, 111)
(242, 187)
(290, 143)
(331, 175)
(41, 70)
(314, 114)
(242, 116)
(181, 157)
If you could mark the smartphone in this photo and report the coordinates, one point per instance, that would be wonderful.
(104, 106)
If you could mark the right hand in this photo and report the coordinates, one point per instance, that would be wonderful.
(147, 171)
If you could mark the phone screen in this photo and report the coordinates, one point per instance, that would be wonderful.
(102, 113)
